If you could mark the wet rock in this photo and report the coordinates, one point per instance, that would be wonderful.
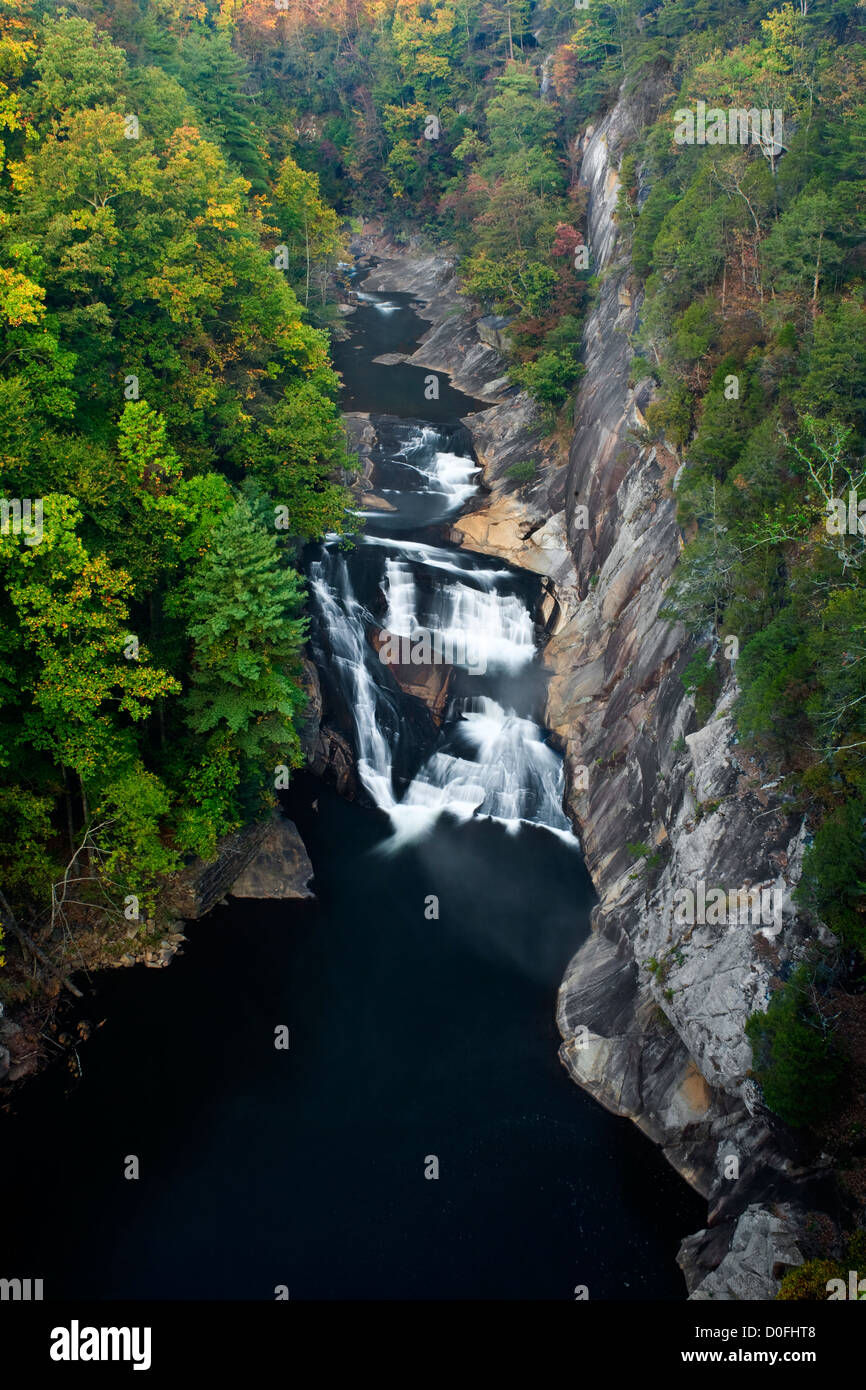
(201, 886)
(334, 761)
(308, 729)
(428, 682)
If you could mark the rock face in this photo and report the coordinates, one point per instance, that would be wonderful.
(652, 1012)
(280, 868)
(334, 761)
(258, 854)
(428, 682)
(751, 1258)
(327, 753)
(18, 1051)
(202, 885)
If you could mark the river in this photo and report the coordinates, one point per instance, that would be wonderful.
(418, 989)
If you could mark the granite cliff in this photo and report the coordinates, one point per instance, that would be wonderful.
(652, 1014)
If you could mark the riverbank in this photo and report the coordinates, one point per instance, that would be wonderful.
(265, 860)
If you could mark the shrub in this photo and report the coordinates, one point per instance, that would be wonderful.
(808, 1283)
(834, 870)
(550, 378)
(639, 369)
(701, 679)
(522, 472)
(795, 1056)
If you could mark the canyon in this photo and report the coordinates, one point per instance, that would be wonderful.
(651, 1011)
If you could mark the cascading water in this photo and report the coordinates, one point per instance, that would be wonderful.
(489, 758)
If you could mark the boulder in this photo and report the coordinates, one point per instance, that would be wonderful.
(280, 868)
(426, 682)
(745, 1259)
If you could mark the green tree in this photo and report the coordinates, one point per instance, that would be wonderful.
(309, 228)
(796, 1058)
(247, 635)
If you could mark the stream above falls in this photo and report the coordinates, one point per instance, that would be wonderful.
(412, 1036)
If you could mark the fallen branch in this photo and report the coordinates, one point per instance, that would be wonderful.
(10, 923)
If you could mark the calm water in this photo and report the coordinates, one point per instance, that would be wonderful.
(410, 1037)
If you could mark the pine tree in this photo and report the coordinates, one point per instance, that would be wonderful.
(247, 637)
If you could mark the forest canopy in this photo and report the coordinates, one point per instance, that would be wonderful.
(168, 422)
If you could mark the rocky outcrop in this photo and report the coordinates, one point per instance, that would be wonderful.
(742, 1263)
(453, 345)
(652, 1010)
(361, 441)
(19, 1051)
(268, 855)
(334, 761)
(280, 867)
(426, 681)
(327, 753)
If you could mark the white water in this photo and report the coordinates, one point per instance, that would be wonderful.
(513, 777)
(490, 761)
(383, 305)
(495, 628)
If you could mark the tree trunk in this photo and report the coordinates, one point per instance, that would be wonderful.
(67, 797)
(307, 241)
(817, 279)
(85, 811)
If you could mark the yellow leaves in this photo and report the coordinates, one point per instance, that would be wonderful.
(21, 175)
(224, 216)
(228, 12)
(180, 13)
(20, 298)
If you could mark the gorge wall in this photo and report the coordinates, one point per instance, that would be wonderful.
(652, 1013)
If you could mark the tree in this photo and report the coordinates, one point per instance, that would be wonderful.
(84, 682)
(796, 1059)
(247, 635)
(296, 457)
(213, 76)
(78, 67)
(309, 228)
(833, 883)
(801, 250)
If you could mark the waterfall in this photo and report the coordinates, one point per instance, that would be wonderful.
(496, 628)
(490, 757)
